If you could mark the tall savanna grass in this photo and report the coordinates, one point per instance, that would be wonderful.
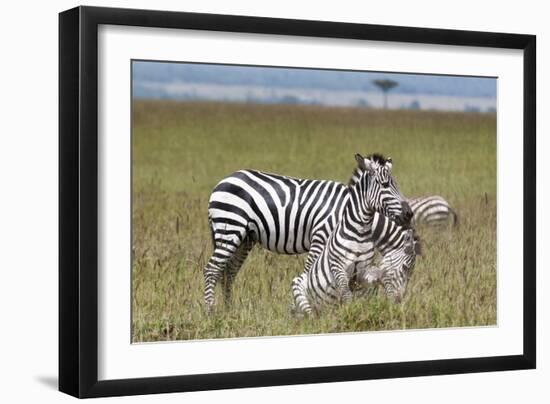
(180, 150)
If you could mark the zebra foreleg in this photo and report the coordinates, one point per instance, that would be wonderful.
(341, 281)
(315, 250)
(299, 294)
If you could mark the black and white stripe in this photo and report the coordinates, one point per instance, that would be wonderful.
(285, 215)
(432, 211)
(328, 279)
(398, 246)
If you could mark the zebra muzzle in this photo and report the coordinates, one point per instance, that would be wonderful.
(406, 215)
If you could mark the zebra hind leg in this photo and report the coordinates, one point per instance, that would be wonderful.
(216, 267)
(212, 273)
(301, 304)
(233, 267)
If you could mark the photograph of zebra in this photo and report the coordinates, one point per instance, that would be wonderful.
(265, 201)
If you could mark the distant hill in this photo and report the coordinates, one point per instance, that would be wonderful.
(160, 72)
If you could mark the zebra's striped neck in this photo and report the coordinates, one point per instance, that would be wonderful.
(357, 217)
(355, 177)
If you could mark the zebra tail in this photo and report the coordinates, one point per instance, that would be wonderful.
(455, 217)
(212, 231)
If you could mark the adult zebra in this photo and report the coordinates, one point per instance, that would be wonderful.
(398, 245)
(433, 211)
(286, 215)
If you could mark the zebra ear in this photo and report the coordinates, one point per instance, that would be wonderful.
(360, 161)
(389, 163)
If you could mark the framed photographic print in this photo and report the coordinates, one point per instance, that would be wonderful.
(251, 201)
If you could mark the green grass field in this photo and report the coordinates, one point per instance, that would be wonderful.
(181, 150)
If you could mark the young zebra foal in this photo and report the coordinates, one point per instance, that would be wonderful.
(399, 248)
(328, 278)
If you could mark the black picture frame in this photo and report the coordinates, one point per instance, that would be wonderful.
(78, 201)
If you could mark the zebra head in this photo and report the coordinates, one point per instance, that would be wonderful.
(397, 267)
(382, 193)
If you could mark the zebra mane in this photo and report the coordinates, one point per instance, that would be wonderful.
(357, 172)
(377, 158)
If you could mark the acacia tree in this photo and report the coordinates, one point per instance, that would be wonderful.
(385, 85)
